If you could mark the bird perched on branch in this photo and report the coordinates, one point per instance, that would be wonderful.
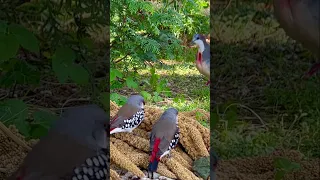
(300, 20)
(164, 137)
(74, 148)
(129, 115)
(203, 55)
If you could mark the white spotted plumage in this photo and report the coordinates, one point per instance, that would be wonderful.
(131, 123)
(172, 144)
(94, 168)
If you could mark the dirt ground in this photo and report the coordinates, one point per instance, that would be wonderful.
(262, 168)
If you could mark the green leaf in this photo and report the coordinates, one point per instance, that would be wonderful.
(9, 47)
(19, 72)
(202, 167)
(62, 62)
(146, 95)
(23, 126)
(286, 164)
(79, 75)
(156, 97)
(131, 83)
(117, 98)
(26, 38)
(88, 42)
(214, 120)
(14, 111)
(112, 75)
(279, 175)
(38, 131)
(44, 118)
(199, 116)
(118, 73)
(115, 73)
(231, 116)
(114, 97)
(3, 27)
(104, 99)
(122, 100)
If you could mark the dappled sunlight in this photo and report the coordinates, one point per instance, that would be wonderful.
(186, 69)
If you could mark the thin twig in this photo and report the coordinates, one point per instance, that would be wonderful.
(56, 83)
(13, 137)
(71, 100)
(246, 107)
(228, 5)
(118, 60)
(3, 97)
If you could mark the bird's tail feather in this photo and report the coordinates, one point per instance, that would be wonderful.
(153, 166)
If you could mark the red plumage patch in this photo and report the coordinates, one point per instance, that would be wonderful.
(114, 118)
(155, 150)
(112, 121)
(199, 57)
(21, 174)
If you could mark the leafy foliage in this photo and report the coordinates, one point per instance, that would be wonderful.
(202, 167)
(284, 166)
(147, 31)
(55, 39)
(150, 30)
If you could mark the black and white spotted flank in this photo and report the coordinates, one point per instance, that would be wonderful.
(134, 121)
(94, 168)
(175, 140)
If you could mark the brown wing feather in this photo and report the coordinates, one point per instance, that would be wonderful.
(125, 112)
(165, 131)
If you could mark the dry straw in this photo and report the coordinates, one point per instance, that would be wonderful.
(134, 147)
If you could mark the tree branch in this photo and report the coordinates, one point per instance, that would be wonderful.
(118, 60)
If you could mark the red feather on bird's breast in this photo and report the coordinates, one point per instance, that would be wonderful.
(199, 57)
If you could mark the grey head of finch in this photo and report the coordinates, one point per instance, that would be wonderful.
(169, 113)
(86, 124)
(136, 101)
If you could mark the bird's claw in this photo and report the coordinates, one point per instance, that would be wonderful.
(148, 176)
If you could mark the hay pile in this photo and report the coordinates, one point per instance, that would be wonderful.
(131, 154)
(130, 151)
(12, 153)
